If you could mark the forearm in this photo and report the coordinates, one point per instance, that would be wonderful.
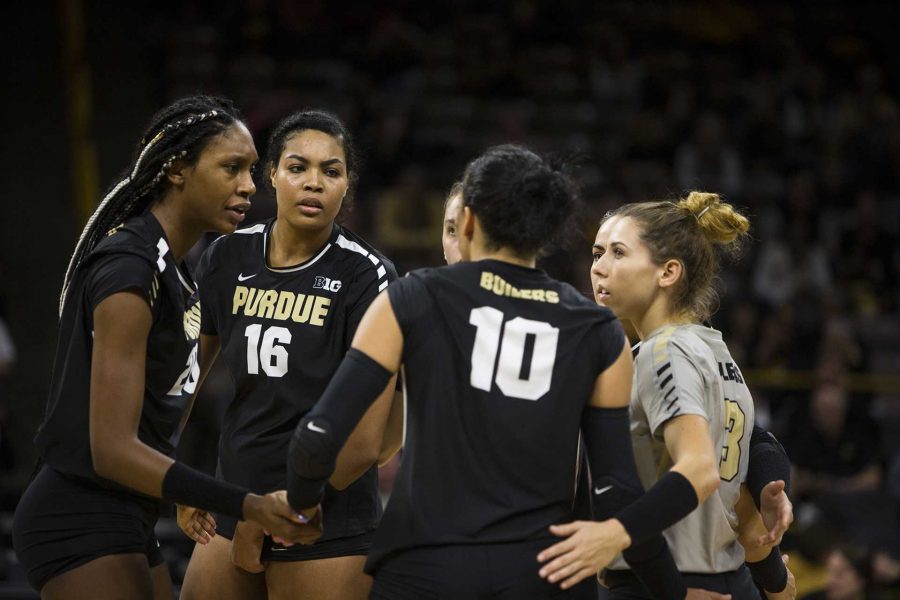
(133, 464)
(209, 351)
(318, 438)
(768, 462)
(750, 528)
(393, 433)
(608, 444)
(690, 446)
(700, 470)
(363, 448)
(130, 462)
(691, 480)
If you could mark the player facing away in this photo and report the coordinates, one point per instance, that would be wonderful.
(502, 367)
(692, 414)
(126, 367)
(281, 302)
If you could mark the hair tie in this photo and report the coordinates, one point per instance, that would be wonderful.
(703, 212)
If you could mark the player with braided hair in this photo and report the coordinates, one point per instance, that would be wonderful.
(126, 367)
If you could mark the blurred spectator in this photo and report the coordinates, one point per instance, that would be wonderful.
(410, 216)
(708, 161)
(788, 266)
(848, 575)
(868, 268)
(832, 452)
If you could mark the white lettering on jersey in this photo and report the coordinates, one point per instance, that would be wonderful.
(163, 247)
(324, 283)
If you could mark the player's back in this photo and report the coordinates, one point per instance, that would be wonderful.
(499, 361)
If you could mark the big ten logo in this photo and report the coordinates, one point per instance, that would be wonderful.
(323, 283)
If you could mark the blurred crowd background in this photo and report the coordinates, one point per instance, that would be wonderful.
(789, 110)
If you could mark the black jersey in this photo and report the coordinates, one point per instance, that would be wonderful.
(283, 333)
(499, 362)
(134, 257)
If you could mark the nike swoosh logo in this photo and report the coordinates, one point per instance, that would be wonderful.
(599, 491)
(312, 427)
(242, 278)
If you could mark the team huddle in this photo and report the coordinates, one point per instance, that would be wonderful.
(540, 450)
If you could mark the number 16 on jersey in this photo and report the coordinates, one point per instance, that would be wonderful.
(527, 352)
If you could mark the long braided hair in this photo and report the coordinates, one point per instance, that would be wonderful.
(179, 131)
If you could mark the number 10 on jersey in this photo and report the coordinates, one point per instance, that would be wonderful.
(527, 354)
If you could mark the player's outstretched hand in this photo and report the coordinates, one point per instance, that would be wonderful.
(589, 546)
(197, 524)
(777, 513)
(698, 594)
(790, 590)
(279, 520)
(246, 547)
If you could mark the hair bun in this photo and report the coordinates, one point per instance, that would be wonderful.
(523, 201)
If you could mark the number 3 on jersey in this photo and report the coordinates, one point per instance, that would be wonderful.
(527, 354)
(730, 460)
(272, 357)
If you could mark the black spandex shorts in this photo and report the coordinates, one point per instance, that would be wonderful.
(501, 571)
(62, 522)
(356, 545)
(624, 585)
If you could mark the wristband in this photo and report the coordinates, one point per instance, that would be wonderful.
(669, 500)
(186, 486)
(770, 573)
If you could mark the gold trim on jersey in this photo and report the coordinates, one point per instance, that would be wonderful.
(660, 344)
(192, 322)
(154, 288)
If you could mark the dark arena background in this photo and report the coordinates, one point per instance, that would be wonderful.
(789, 110)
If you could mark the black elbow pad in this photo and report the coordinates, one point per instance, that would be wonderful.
(312, 456)
(314, 448)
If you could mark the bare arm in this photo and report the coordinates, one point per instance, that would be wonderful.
(688, 443)
(363, 447)
(199, 525)
(122, 324)
(753, 536)
(393, 434)
(750, 528)
(379, 336)
(365, 375)
(209, 351)
(612, 389)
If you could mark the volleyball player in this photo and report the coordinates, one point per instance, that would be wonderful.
(283, 299)
(448, 236)
(654, 264)
(502, 367)
(126, 366)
